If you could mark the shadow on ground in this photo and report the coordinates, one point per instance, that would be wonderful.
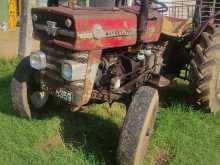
(5, 102)
(92, 134)
(177, 93)
(89, 132)
(100, 136)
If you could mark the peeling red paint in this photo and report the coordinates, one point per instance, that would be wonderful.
(121, 23)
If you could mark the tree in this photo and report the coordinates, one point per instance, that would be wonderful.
(25, 35)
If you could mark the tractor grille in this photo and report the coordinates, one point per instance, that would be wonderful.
(55, 55)
(43, 17)
(59, 31)
(51, 79)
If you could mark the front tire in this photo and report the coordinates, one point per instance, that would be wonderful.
(25, 92)
(138, 126)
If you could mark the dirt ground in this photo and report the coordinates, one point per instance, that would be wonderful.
(9, 44)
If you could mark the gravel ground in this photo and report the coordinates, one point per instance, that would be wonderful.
(9, 44)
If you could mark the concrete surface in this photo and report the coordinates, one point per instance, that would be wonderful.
(9, 44)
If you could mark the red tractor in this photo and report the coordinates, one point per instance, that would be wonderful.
(114, 52)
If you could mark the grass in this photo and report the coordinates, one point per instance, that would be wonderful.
(184, 135)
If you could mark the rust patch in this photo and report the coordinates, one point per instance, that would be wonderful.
(93, 63)
(95, 57)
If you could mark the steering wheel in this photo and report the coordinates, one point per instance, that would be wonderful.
(159, 6)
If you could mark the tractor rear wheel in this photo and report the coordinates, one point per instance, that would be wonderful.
(205, 70)
(138, 126)
(25, 91)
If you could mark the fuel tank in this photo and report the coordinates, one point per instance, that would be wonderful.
(92, 28)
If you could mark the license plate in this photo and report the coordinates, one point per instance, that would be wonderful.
(64, 94)
(61, 93)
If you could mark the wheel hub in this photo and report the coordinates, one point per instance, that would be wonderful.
(38, 99)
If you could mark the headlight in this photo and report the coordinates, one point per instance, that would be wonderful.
(72, 71)
(67, 71)
(38, 60)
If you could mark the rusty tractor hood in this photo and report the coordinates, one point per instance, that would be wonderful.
(92, 28)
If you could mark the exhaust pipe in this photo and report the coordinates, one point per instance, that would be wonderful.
(142, 20)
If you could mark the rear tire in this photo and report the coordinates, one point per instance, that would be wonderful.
(138, 126)
(25, 92)
(205, 70)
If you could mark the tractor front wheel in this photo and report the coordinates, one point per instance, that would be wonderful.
(25, 91)
(138, 126)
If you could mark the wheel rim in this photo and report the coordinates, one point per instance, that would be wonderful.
(36, 98)
(146, 131)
